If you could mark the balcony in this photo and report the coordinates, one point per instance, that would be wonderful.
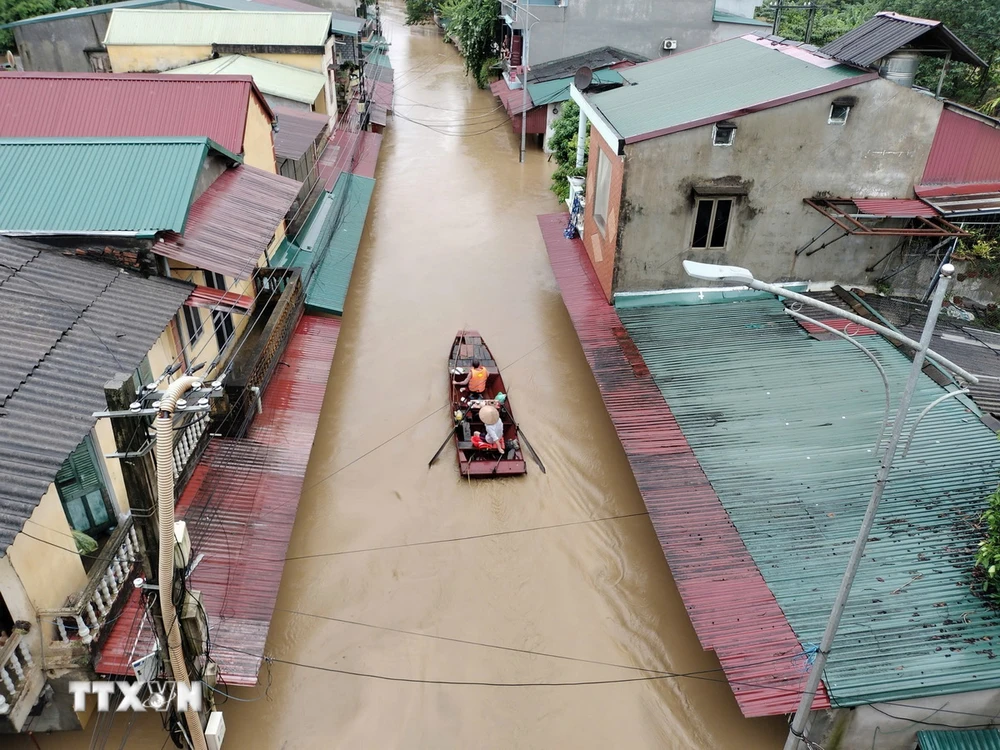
(21, 678)
(79, 627)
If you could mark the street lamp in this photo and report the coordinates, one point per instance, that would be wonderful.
(520, 7)
(735, 274)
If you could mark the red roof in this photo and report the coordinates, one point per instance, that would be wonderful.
(965, 149)
(219, 299)
(894, 207)
(231, 224)
(240, 505)
(104, 105)
(514, 100)
(733, 611)
(297, 130)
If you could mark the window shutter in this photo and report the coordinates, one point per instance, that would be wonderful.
(79, 473)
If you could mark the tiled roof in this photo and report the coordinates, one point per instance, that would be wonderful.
(232, 222)
(785, 428)
(99, 186)
(97, 105)
(199, 28)
(714, 83)
(285, 81)
(328, 259)
(886, 32)
(66, 326)
(297, 131)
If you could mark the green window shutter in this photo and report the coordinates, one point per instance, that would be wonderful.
(81, 489)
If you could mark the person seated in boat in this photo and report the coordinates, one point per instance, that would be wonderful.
(490, 418)
(475, 379)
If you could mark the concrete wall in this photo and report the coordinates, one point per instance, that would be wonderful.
(780, 156)
(154, 58)
(601, 243)
(258, 138)
(638, 26)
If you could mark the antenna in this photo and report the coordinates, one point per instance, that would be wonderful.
(583, 78)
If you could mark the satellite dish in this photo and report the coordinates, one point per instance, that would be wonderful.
(583, 78)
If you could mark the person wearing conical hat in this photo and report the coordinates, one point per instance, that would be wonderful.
(490, 417)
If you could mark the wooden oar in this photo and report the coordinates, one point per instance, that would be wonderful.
(530, 449)
(451, 434)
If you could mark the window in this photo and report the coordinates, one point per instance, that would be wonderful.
(602, 191)
(81, 489)
(839, 113)
(143, 375)
(192, 324)
(222, 321)
(723, 134)
(711, 222)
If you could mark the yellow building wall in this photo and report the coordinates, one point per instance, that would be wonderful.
(153, 59)
(321, 106)
(258, 138)
(50, 570)
(297, 60)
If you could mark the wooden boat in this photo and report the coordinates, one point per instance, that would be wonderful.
(473, 462)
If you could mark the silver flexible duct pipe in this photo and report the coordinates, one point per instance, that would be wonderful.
(164, 426)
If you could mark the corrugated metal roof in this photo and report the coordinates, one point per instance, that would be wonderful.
(66, 326)
(557, 90)
(345, 25)
(784, 426)
(297, 131)
(731, 608)
(964, 150)
(894, 207)
(91, 105)
(206, 296)
(240, 505)
(962, 200)
(270, 77)
(713, 83)
(329, 260)
(98, 186)
(595, 59)
(965, 739)
(232, 222)
(721, 16)
(197, 28)
(90, 10)
(886, 32)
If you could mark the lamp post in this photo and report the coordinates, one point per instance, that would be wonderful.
(524, 72)
(921, 349)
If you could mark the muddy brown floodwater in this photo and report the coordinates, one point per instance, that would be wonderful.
(413, 574)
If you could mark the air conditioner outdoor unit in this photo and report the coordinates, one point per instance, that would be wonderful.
(669, 44)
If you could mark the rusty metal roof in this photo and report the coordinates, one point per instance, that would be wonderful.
(297, 131)
(887, 32)
(66, 326)
(105, 105)
(732, 610)
(232, 223)
(965, 149)
(898, 208)
(240, 505)
(206, 296)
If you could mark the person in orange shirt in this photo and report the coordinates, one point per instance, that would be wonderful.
(476, 379)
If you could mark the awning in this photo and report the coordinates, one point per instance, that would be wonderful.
(219, 299)
(863, 216)
(514, 100)
(963, 200)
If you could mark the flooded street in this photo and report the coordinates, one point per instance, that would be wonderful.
(415, 577)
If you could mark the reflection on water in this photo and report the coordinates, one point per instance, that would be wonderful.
(414, 575)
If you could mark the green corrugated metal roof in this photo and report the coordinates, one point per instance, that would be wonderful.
(784, 426)
(330, 262)
(99, 185)
(202, 28)
(341, 24)
(966, 739)
(378, 59)
(721, 16)
(557, 90)
(710, 82)
(272, 78)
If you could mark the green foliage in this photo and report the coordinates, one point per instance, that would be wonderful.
(988, 556)
(975, 22)
(981, 250)
(882, 286)
(473, 26)
(563, 145)
(419, 11)
(485, 73)
(18, 10)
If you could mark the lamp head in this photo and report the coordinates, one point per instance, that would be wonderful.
(713, 272)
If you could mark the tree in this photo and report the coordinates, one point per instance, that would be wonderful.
(563, 145)
(473, 26)
(419, 11)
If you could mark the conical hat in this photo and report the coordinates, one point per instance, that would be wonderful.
(489, 415)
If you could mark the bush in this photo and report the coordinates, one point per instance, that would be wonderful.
(563, 145)
(988, 556)
(485, 73)
(419, 11)
(473, 25)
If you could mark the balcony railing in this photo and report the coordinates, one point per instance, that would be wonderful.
(16, 666)
(81, 622)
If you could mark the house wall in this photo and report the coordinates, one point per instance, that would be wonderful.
(154, 58)
(601, 245)
(258, 138)
(780, 156)
(639, 26)
(48, 565)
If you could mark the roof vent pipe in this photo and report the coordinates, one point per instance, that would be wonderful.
(900, 67)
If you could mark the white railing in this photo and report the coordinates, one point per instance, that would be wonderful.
(82, 620)
(15, 668)
(186, 443)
